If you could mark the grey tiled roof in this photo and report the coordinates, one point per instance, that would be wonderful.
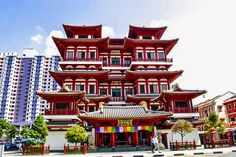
(124, 112)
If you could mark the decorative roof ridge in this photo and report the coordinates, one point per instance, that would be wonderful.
(78, 39)
(140, 27)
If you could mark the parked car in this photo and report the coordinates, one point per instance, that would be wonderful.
(10, 147)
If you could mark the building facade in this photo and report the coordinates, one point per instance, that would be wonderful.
(216, 105)
(20, 78)
(119, 86)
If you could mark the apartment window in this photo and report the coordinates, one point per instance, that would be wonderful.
(70, 55)
(181, 104)
(150, 55)
(164, 87)
(220, 108)
(116, 92)
(81, 54)
(153, 88)
(115, 61)
(142, 88)
(140, 55)
(103, 91)
(235, 105)
(79, 87)
(161, 55)
(91, 89)
(92, 54)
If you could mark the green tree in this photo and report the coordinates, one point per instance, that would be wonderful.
(76, 134)
(39, 130)
(4, 125)
(182, 127)
(213, 123)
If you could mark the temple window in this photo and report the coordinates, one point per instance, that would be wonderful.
(81, 54)
(115, 61)
(140, 55)
(70, 55)
(147, 37)
(80, 87)
(230, 107)
(153, 88)
(104, 61)
(150, 54)
(161, 55)
(181, 104)
(164, 87)
(235, 105)
(91, 89)
(142, 88)
(116, 92)
(62, 105)
(92, 54)
(69, 86)
(127, 61)
(83, 36)
(103, 91)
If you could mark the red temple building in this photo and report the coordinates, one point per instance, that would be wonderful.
(119, 87)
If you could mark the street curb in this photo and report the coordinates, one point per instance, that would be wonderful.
(157, 155)
(138, 156)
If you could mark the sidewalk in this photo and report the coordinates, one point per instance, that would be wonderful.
(198, 152)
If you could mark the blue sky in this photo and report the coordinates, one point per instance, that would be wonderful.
(206, 50)
(18, 19)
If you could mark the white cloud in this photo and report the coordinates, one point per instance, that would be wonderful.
(206, 49)
(51, 48)
(38, 38)
(107, 31)
(39, 28)
(30, 52)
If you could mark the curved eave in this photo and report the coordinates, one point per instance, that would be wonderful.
(157, 31)
(176, 94)
(99, 99)
(138, 99)
(62, 43)
(70, 30)
(67, 95)
(167, 44)
(60, 76)
(170, 75)
(116, 118)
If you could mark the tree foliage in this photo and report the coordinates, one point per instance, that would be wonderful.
(7, 129)
(76, 134)
(213, 123)
(38, 130)
(182, 127)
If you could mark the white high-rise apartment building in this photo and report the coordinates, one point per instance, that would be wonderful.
(20, 78)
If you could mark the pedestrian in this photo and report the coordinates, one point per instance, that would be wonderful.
(155, 144)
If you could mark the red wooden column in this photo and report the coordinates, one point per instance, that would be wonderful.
(136, 138)
(144, 54)
(97, 87)
(123, 90)
(113, 140)
(87, 54)
(97, 143)
(102, 139)
(146, 82)
(51, 109)
(156, 57)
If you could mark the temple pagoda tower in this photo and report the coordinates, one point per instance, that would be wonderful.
(119, 86)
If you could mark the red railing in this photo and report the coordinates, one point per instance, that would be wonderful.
(116, 65)
(182, 145)
(183, 110)
(154, 60)
(77, 149)
(118, 99)
(35, 150)
(85, 59)
(61, 112)
(218, 143)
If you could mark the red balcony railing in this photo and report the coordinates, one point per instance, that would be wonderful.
(118, 99)
(60, 112)
(183, 110)
(154, 59)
